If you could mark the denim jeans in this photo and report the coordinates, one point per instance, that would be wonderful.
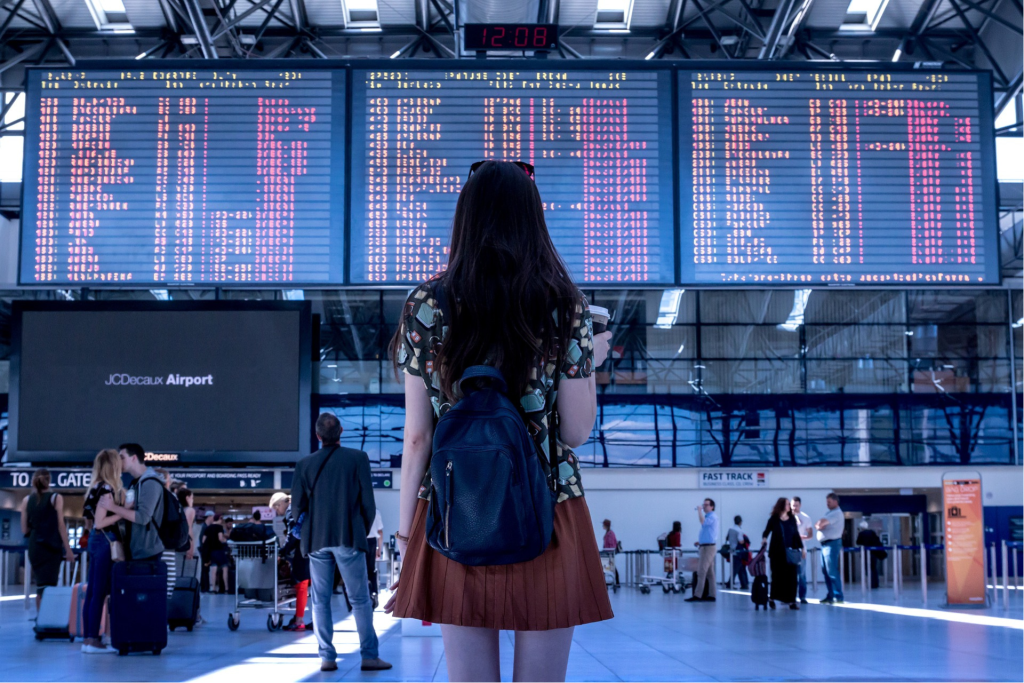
(830, 567)
(801, 579)
(352, 564)
(100, 573)
(739, 568)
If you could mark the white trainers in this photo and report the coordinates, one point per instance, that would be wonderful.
(94, 650)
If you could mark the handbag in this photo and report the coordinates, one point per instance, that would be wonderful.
(794, 556)
(116, 548)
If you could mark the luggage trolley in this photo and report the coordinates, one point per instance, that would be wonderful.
(677, 563)
(608, 565)
(262, 552)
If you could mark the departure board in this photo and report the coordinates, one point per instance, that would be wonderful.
(222, 175)
(600, 140)
(837, 177)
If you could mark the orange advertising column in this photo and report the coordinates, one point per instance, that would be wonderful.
(964, 537)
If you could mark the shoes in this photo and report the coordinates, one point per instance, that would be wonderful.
(290, 626)
(694, 599)
(839, 602)
(710, 599)
(328, 665)
(377, 664)
(827, 601)
(94, 650)
(771, 603)
(803, 601)
(794, 606)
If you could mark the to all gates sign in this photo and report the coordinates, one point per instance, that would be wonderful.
(964, 536)
(59, 479)
(734, 479)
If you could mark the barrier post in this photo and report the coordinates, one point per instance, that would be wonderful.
(842, 568)
(1006, 580)
(924, 575)
(28, 577)
(863, 572)
(895, 574)
(3, 571)
(993, 571)
(1016, 576)
(814, 571)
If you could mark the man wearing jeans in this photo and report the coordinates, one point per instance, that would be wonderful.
(706, 543)
(333, 488)
(830, 534)
(805, 529)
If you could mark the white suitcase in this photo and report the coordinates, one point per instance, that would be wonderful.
(54, 618)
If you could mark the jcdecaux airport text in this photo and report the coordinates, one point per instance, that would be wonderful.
(124, 379)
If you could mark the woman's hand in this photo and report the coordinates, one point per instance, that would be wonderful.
(602, 342)
(105, 502)
(390, 606)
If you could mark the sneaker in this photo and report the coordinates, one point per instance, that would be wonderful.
(377, 664)
(826, 601)
(694, 599)
(328, 665)
(94, 650)
(839, 602)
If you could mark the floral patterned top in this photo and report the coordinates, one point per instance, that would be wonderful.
(423, 331)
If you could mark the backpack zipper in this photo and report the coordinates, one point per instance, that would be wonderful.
(447, 504)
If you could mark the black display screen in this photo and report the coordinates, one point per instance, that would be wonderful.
(219, 175)
(600, 141)
(217, 383)
(510, 36)
(821, 178)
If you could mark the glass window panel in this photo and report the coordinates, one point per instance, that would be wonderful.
(678, 341)
(943, 432)
(748, 341)
(350, 377)
(640, 307)
(866, 306)
(5, 376)
(860, 376)
(751, 377)
(956, 306)
(671, 377)
(856, 341)
(746, 306)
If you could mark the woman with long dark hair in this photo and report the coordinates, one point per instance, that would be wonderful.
(510, 303)
(786, 546)
(42, 523)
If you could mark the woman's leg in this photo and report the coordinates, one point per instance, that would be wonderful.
(301, 596)
(472, 653)
(542, 655)
(213, 578)
(98, 588)
(224, 574)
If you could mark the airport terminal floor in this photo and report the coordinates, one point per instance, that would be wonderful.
(654, 637)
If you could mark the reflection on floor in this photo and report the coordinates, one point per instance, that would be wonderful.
(653, 637)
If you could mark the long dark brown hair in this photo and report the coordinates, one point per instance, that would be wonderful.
(504, 280)
(780, 507)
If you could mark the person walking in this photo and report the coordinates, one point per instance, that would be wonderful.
(106, 482)
(188, 562)
(215, 544)
(868, 538)
(706, 544)
(508, 301)
(739, 549)
(784, 554)
(42, 523)
(332, 487)
(830, 535)
(805, 528)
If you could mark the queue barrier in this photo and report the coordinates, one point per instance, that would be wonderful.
(1003, 559)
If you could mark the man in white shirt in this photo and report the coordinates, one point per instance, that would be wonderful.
(805, 528)
(830, 535)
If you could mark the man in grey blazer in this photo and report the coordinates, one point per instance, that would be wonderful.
(333, 491)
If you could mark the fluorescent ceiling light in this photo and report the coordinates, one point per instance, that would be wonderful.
(896, 55)
(668, 311)
(361, 13)
(613, 14)
(110, 15)
(12, 149)
(160, 294)
(1019, 323)
(796, 316)
(398, 53)
(1010, 159)
(864, 15)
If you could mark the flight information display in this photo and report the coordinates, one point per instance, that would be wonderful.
(601, 143)
(184, 176)
(825, 177)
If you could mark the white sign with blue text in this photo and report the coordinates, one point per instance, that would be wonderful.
(734, 479)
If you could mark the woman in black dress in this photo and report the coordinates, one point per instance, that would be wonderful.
(42, 522)
(784, 536)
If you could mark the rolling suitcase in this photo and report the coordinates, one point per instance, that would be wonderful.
(138, 607)
(76, 620)
(183, 606)
(759, 588)
(54, 618)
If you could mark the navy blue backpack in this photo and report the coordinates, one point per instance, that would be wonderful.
(491, 502)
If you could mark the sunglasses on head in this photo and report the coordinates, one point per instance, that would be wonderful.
(527, 168)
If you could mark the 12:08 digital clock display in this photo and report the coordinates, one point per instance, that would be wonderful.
(510, 36)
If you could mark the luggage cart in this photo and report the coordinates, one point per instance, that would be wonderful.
(263, 552)
(673, 580)
(608, 565)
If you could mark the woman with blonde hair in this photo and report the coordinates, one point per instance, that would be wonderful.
(106, 481)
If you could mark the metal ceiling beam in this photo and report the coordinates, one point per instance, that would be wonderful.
(30, 53)
(776, 28)
(222, 29)
(1010, 93)
(978, 42)
(201, 30)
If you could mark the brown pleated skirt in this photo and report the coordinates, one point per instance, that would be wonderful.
(563, 587)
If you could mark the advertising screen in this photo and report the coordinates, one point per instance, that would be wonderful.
(219, 383)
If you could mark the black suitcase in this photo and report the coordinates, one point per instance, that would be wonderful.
(183, 605)
(138, 607)
(759, 592)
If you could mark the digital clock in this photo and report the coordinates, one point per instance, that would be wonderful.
(510, 36)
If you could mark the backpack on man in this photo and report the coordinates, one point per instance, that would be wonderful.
(173, 526)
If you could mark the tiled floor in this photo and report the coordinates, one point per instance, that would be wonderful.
(653, 637)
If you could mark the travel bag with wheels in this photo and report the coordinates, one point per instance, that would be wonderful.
(138, 607)
(759, 592)
(76, 623)
(183, 605)
(54, 618)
